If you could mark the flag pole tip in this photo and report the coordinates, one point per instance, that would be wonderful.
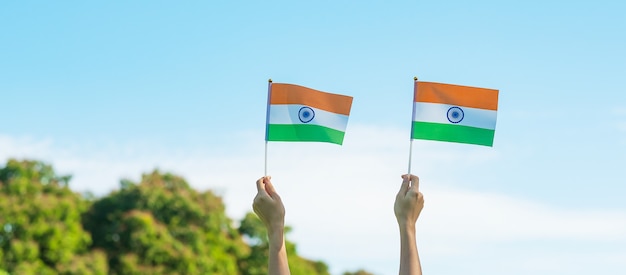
(415, 78)
(269, 80)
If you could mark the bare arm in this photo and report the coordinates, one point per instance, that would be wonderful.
(270, 209)
(408, 206)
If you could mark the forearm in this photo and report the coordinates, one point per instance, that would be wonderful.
(409, 258)
(278, 264)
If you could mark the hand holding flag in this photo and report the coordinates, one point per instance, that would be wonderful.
(297, 113)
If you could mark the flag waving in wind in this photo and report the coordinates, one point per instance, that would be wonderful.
(297, 113)
(454, 113)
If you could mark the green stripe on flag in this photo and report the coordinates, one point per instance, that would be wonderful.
(304, 132)
(452, 133)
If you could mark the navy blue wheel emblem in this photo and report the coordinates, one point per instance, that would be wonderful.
(306, 114)
(455, 114)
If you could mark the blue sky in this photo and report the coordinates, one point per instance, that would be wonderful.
(112, 90)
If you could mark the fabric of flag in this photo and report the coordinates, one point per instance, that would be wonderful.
(297, 113)
(454, 113)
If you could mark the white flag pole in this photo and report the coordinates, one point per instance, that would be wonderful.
(267, 120)
(413, 116)
(410, 153)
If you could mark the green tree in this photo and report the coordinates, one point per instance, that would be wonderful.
(40, 223)
(163, 226)
(255, 263)
(157, 226)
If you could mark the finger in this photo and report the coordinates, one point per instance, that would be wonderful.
(415, 183)
(404, 187)
(269, 187)
(260, 185)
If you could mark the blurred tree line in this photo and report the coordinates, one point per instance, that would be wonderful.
(159, 225)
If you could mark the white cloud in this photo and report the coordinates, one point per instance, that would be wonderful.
(339, 198)
(496, 217)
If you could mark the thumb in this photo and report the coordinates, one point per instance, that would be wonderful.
(270, 187)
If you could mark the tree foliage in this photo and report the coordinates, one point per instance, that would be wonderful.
(159, 225)
(40, 223)
(163, 226)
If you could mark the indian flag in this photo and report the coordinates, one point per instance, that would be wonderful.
(297, 113)
(454, 113)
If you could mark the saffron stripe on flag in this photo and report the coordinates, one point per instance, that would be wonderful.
(480, 98)
(452, 133)
(438, 113)
(288, 114)
(304, 132)
(293, 94)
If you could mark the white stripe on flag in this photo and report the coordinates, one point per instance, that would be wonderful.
(288, 114)
(438, 113)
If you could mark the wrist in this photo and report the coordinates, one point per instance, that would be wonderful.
(407, 227)
(276, 238)
(276, 231)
